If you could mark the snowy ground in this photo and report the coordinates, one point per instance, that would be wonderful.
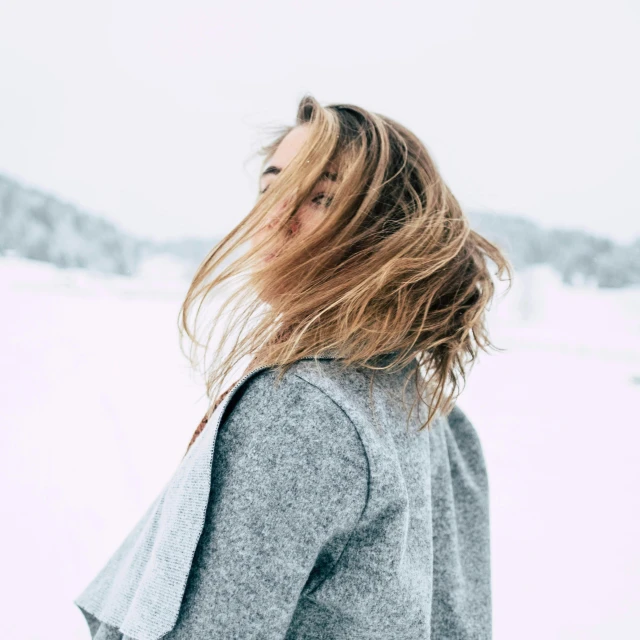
(98, 405)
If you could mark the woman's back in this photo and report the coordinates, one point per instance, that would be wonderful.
(329, 520)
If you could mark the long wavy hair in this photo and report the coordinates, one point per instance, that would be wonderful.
(393, 267)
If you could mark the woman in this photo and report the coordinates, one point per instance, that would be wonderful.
(310, 503)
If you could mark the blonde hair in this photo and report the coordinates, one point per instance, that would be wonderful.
(393, 266)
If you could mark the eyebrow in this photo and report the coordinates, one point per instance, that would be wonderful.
(272, 169)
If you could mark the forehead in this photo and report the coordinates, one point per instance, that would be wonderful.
(287, 150)
(289, 147)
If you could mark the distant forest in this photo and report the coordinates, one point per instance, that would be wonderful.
(38, 226)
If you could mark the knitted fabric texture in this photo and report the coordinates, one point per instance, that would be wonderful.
(221, 397)
(293, 516)
(205, 419)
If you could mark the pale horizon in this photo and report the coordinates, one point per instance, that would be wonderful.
(148, 115)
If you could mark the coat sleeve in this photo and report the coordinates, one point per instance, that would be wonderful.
(290, 478)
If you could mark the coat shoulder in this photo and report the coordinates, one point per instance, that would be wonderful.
(298, 411)
(306, 383)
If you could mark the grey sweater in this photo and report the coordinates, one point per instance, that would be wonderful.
(316, 515)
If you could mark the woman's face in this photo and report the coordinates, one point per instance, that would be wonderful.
(310, 213)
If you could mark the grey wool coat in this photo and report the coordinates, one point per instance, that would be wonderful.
(309, 510)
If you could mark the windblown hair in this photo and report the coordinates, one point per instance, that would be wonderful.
(393, 267)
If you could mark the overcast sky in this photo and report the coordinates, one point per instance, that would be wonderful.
(148, 112)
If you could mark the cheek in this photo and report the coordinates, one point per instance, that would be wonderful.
(306, 219)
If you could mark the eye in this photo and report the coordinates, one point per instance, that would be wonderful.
(322, 198)
(264, 190)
